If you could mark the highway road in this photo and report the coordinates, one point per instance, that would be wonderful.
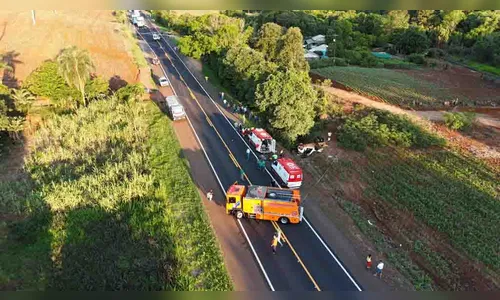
(305, 262)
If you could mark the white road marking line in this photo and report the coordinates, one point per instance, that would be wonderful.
(215, 173)
(230, 123)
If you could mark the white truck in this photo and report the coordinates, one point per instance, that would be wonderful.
(140, 21)
(175, 108)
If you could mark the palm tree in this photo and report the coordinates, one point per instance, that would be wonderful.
(23, 99)
(75, 66)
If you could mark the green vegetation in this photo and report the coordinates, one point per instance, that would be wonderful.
(454, 194)
(258, 77)
(287, 99)
(458, 120)
(483, 67)
(472, 34)
(45, 81)
(380, 128)
(391, 86)
(106, 204)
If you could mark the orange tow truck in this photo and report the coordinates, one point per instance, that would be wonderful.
(264, 203)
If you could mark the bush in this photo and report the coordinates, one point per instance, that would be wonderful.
(459, 121)
(381, 128)
(418, 59)
(327, 62)
(362, 58)
(435, 53)
(130, 92)
(45, 81)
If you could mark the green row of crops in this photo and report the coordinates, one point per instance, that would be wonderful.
(106, 204)
(457, 195)
(392, 86)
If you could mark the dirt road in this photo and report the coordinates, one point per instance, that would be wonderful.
(481, 118)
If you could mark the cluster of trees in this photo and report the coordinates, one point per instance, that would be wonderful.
(265, 69)
(67, 82)
(467, 33)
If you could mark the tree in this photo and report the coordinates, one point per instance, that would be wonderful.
(479, 24)
(426, 19)
(411, 40)
(487, 49)
(369, 23)
(288, 100)
(76, 66)
(241, 69)
(23, 99)
(450, 20)
(291, 53)
(396, 19)
(268, 39)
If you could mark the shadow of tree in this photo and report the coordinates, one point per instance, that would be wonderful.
(8, 78)
(113, 250)
(116, 82)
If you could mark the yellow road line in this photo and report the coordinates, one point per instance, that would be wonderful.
(232, 157)
(276, 226)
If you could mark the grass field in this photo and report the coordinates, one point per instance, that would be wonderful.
(484, 67)
(391, 86)
(106, 203)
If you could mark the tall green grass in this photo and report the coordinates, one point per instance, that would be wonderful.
(107, 204)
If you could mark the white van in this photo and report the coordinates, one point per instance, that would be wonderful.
(175, 108)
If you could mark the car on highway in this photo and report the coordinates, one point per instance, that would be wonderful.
(156, 36)
(163, 81)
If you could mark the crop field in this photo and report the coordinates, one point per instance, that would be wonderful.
(456, 195)
(106, 204)
(434, 211)
(391, 86)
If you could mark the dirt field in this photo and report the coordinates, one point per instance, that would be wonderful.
(28, 45)
(463, 81)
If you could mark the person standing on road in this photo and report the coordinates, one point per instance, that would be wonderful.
(379, 269)
(242, 175)
(262, 165)
(222, 96)
(210, 195)
(248, 153)
(369, 261)
(274, 244)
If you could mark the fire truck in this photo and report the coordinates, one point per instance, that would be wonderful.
(262, 141)
(264, 203)
(288, 171)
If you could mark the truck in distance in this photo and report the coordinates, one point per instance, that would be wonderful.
(264, 203)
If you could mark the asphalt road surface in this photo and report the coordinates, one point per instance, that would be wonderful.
(311, 265)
